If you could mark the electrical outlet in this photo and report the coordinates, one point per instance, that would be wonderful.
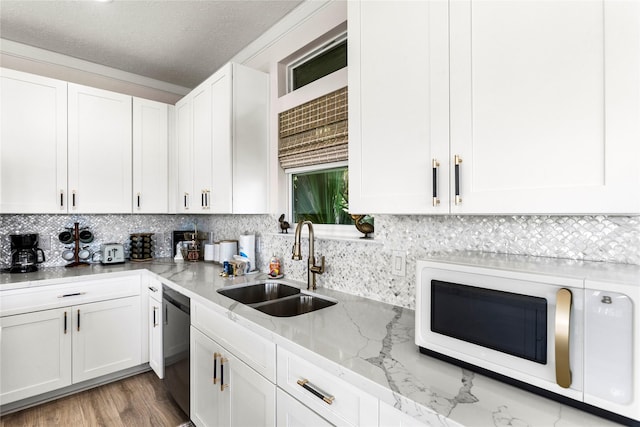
(399, 263)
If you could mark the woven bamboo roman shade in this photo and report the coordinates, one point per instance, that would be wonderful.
(316, 132)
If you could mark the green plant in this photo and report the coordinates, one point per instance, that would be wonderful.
(322, 196)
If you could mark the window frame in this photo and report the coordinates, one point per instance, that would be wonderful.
(344, 231)
(309, 55)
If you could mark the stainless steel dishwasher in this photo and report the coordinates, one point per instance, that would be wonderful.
(175, 345)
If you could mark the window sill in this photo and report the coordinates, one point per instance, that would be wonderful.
(322, 235)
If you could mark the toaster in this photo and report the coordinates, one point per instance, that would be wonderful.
(112, 253)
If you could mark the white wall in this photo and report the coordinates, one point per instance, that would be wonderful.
(312, 21)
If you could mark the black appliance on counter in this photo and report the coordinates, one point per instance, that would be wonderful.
(175, 345)
(25, 254)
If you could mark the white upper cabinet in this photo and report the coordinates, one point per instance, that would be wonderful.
(222, 143)
(100, 146)
(397, 123)
(221, 120)
(33, 143)
(198, 172)
(150, 156)
(184, 148)
(250, 130)
(539, 102)
(545, 111)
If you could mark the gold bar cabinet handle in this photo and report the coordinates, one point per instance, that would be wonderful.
(563, 326)
(222, 384)
(325, 397)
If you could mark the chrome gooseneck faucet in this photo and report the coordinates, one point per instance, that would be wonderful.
(313, 269)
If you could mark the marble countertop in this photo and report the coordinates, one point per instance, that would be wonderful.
(367, 343)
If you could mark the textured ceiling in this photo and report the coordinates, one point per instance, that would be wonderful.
(180, 42)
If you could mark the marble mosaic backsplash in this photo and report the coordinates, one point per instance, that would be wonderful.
(357, 266)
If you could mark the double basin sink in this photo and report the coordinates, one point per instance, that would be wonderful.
(276, 299)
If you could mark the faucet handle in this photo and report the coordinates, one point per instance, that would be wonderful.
(318, 269)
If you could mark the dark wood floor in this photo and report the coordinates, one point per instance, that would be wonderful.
(140, 400)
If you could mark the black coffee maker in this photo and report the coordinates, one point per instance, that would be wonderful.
(25, 254)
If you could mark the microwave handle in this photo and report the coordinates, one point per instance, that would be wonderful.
(563, 326)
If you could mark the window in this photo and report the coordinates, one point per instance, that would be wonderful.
(318, 63)
(321, 196)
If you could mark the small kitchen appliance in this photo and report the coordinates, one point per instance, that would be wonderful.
(25, 254)
(562, 329)
(142, 246)
(112, 253)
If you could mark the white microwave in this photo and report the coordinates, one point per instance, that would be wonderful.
(561, 328)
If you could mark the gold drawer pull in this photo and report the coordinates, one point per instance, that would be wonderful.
(304, 383)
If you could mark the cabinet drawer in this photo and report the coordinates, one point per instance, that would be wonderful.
(349, 405)
(254, 350)
(154, 287)
(32, 299)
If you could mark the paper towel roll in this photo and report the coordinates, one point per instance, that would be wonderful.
(208, 252)
(216, 252)
(247, 248)
(228, 248)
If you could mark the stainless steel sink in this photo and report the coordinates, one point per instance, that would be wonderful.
(294, 305)
(261, 292)
(276, 299)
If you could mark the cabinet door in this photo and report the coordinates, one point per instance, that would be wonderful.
(36, 353)
(545, 100)
(252, 399)
(33, 143)
(202, 149)
(292, 413)
(206, 400)
(106, 337)
(250, 140)
(222, 185)
(99, 151)
(156, 360)
(224, 390)
(398, 106)
(184, 154)
(150, 156)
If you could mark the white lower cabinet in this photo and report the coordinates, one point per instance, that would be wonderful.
(156, 361)
(106, 337)
(36, 353)
(55, 336)
(324, 392)
(292, 413)
(224, 390)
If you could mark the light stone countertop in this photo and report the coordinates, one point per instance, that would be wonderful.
(367, 343)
